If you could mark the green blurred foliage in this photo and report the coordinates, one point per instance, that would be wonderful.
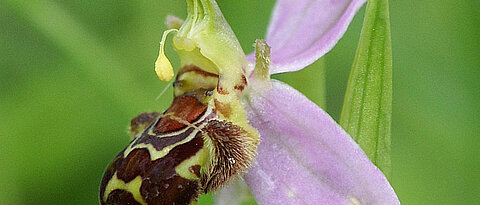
(73, 73)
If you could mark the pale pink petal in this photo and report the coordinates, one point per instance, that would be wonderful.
(305, 157)
(302, 31)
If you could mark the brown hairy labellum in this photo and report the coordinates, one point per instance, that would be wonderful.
(233, 151)
(177, 155)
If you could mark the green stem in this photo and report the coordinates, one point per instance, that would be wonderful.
(367, 110)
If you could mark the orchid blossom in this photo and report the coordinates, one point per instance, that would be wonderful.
(304, 156)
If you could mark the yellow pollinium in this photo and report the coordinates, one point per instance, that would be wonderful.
(163, 67)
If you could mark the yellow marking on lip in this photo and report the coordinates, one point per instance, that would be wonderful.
(200, 158)
(207, 113)
(154, 153)
(170, 134)
(133, 187)
(189, 125)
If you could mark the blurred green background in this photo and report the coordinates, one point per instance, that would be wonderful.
(73, 73)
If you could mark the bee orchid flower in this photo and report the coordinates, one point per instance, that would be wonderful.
(304, 156)
(229, 119)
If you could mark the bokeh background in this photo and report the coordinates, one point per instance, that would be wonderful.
(73, 73)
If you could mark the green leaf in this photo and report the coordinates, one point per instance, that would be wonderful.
(367, 109)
